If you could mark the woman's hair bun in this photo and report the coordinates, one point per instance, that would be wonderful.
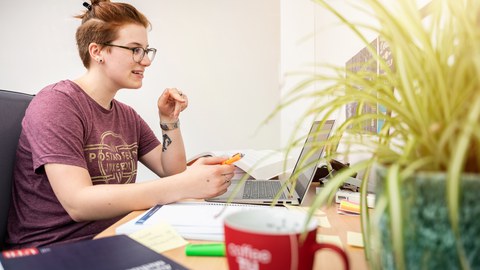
(93, 2)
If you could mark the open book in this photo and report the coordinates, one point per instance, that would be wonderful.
(258, 164)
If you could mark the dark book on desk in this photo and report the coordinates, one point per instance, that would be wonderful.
(118, 252)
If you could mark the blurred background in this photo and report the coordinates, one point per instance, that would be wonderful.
(232, 58)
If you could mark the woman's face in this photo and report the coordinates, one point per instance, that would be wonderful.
(120, 66)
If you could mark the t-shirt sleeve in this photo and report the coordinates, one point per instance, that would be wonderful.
(54, 128)
(148, 140)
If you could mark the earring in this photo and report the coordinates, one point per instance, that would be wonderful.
(100, 61)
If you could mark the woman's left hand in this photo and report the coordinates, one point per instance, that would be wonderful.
(171, 103)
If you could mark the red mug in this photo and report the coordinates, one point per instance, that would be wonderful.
(273, 238)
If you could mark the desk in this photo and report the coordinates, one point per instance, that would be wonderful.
(340, 224)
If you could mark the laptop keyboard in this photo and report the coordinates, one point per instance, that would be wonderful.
(262, 189)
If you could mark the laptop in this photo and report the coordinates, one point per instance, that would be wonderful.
(254, 191)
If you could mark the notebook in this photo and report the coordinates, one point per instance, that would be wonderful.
(193, 220)
(256, 191)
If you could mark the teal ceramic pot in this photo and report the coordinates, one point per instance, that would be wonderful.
(429, 242)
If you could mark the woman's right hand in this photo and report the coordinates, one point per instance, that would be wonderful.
(207, 177)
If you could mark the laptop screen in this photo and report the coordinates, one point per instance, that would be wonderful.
(310, 155)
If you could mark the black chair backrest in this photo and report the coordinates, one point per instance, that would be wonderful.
(12, 110)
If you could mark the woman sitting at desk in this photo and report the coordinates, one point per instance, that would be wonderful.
(79, 147)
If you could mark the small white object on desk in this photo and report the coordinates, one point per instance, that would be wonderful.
(354, 197)
(355, 239)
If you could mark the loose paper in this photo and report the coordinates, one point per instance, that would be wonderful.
(355, 239)
(330, 239)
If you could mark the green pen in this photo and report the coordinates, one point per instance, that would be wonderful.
(212, 250)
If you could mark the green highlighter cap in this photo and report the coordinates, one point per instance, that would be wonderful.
(213, 250)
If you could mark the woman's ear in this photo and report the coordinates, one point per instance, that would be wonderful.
(95, 51)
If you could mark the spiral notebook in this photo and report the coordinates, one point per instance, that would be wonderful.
(191, 220)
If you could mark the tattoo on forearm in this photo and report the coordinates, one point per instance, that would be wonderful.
(166, 142)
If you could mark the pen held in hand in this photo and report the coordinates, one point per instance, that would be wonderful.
(233, 159)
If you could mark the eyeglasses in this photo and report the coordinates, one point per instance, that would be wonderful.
(138, 52)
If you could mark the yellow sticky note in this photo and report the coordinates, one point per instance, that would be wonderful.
(355, 239)
(160, 237)
(323, 222)
(349, 207)
(330, 239)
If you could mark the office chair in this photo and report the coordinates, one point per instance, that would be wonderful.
(12, 110)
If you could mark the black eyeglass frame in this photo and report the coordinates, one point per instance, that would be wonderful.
(145, 51)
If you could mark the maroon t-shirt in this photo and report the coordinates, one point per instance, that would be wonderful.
(64, 125)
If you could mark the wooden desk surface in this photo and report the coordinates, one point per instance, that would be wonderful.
(340, 224)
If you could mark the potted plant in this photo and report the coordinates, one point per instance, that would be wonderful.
(425, 155)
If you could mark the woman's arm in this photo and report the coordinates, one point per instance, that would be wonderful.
(83, 201)
(168, 162)
(169, 158)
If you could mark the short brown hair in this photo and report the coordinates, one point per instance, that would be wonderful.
(100, 23)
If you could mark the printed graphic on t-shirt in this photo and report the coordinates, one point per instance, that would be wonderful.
(114, 159)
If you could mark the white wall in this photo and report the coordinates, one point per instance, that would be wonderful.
(232, 58)
(223, 54)
(297, 54)
(312, 37)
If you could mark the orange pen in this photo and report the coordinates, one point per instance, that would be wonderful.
(232, 159)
